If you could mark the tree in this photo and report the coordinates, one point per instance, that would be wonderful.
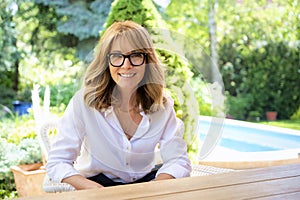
(192, 17)
(196, 21)
(42, 52)
(80, 22)
(9, 53)
(213, 44)
(256, 39)
(244, 28)
(42, 29)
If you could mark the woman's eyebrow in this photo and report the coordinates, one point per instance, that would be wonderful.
(127, 52)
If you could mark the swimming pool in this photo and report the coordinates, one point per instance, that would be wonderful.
(242, 144)
(251, 137)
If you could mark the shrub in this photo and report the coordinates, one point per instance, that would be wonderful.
(238, 106)
(269, 73)
(19, 145)
(296, 115)
(8, 157)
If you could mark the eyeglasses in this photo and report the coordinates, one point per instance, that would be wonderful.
(135, 59)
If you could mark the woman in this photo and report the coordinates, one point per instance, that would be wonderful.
(111, 126)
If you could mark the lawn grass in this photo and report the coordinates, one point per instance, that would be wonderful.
(292, 124)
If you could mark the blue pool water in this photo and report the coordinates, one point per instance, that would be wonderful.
(250, 138)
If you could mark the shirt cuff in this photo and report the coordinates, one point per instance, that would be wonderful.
(175, 170)
(65, 170)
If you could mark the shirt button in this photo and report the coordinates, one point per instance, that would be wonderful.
(133, 179)
(127, 163)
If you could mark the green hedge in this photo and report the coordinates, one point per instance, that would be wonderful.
(264, 78)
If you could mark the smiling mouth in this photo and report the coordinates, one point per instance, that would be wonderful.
(127, 75)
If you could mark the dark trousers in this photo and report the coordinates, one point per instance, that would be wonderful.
(107, 182)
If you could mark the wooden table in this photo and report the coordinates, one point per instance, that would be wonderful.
(280, 182)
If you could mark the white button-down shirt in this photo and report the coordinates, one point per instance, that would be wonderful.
(90, 142)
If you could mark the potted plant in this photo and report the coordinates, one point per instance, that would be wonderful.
(273, 104)
(29, 173)
(271, 115)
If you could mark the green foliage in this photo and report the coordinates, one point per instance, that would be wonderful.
(29, 151)
(6, 177)
(243, 28)
(190, 17)
(296, 115)
(250, 21)
(39, 38)
(270, 73)
(278, 87)
(254, 115)
(80, 22)
(178, 78)
(292, 124)
(142, 12)
(28, 39)
(6, 96)
(23, 129)
(238, 106)
(8, 50)
(259, 55)
(39, 21)
(19, 145)
(84, 19)
(61, 93)
(9, 53)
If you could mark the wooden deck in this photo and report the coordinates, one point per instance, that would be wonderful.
(279, 182)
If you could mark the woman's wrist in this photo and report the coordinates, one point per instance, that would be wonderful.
(80, 183)
(164, 176)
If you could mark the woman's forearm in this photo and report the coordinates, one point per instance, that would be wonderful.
(80, 183)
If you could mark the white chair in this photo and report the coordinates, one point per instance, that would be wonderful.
(47, 132)
(205, 170)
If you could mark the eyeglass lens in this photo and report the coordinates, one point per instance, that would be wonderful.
(117, 59)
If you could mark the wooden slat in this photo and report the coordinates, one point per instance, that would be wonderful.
(192, 184)
(284, 196)
(243, 191)
(250, 164)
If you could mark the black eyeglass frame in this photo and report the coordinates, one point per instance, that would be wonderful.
(127, 56)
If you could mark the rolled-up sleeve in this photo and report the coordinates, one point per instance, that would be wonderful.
(173, 148)
(66, 145)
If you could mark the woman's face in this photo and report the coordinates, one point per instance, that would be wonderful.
(126, 76)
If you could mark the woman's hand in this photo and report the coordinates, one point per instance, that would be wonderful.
(81, 183)
(163, 176)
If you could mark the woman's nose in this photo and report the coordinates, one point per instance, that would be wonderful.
(127, 64)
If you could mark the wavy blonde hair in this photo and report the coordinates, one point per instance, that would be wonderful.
(98, 83)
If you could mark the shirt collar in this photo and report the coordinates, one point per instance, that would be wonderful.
(107, 111)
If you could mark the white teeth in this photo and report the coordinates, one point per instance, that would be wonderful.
(126, 75)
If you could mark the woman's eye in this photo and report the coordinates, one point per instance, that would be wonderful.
(117, 55)
(137, 55)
